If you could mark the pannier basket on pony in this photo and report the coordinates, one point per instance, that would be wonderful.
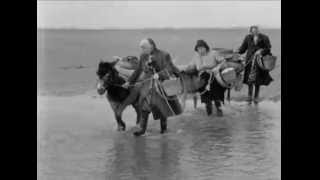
(172, 86)
(229, 74)
(267, 62)
(226, 77)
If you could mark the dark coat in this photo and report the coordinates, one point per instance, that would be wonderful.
(162, 64)
(161, 60)
(248, 45)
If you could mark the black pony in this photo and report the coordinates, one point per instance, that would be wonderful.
(110, 81)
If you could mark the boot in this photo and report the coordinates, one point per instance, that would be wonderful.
(250, 90)
(143, 125)
(256, 95)
(163, 124)
(209, 108)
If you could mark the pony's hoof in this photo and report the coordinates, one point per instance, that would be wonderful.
(138, 133)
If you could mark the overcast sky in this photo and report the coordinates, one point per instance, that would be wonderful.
(157, 14)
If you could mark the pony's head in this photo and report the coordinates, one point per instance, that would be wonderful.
(107, 75)
(129, 62)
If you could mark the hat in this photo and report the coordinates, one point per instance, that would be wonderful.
(148, 42)
(201, 43)
(253, 27)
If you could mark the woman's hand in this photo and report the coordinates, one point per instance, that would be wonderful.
(208, 87)
(156, 76)
(126, 85)
(258, 52)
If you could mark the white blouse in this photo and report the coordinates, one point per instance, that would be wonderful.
(212, 59)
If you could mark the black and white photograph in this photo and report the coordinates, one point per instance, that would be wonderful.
(159, 90)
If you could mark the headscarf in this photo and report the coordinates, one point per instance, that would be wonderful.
(148, 42)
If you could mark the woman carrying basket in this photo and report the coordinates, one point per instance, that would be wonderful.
(206, 63)
(256, 45)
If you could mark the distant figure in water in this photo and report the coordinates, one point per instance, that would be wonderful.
(206, 61)
(255, 44)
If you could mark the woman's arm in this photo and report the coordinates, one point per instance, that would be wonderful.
(169, 68)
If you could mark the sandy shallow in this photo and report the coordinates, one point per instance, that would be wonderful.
(77, 139)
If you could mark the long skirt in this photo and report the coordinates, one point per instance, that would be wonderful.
(216, 92)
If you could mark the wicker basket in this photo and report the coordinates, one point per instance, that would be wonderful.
(227, 77)
(172, 86)
(267, 62)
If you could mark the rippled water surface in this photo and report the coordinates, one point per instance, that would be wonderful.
(77, 139)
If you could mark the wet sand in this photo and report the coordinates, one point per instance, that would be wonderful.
(77, 139)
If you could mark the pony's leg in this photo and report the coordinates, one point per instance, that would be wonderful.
(256, 94)
(195, 100)
(138, 111)
(121, 124)
(143, 123)
(250, 91)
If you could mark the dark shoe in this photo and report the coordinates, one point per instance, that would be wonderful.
(163, 128)
(209, 109)
(163, 131)
(219, 113)
(139, 133)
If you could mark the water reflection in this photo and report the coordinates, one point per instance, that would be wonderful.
(244, 144)
(239, 145)
(144, 158)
